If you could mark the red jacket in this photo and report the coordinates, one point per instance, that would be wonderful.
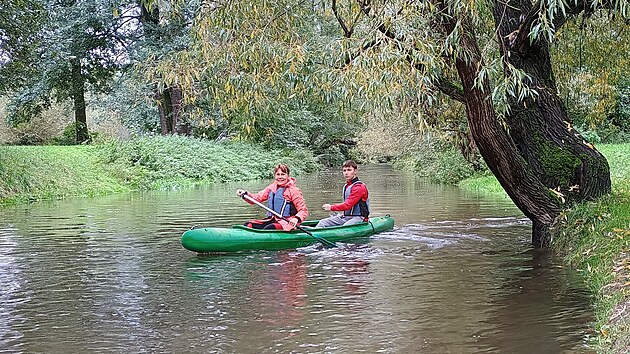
(291, 194)
(359, 192)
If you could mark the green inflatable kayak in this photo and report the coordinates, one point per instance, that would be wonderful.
(241, 238)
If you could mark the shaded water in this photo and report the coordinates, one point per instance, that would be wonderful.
(456, 275)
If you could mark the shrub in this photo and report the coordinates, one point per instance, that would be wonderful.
(439, 162)
(153, 161)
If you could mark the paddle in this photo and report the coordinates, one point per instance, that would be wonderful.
(321, 240)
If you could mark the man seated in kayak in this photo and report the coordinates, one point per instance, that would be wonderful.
(356, 201)
(284, 198)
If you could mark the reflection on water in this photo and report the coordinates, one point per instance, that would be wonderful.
(456, 274)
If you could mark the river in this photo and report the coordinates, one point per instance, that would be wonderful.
(457, 274)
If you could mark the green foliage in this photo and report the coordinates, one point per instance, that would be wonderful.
(296, 129)
(38, 130)
(68, 137)
(323, 133)
(450, 167)
(153, 162)
(45, 172)
(620, 121)
(38, 172)
(87, 36)
(130, 100)
(622, 108)
(28, 103)
(333, 156)
(439, 162)
(27, 138)
(20, 22)
(254, 69)
(591, 66)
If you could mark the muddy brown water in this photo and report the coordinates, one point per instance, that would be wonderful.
(456, 275)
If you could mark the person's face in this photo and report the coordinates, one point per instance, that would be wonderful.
(349, 173)
(281, 177)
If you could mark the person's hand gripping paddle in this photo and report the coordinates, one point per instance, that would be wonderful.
(321, 240)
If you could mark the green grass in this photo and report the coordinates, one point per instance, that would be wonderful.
(30, 173)
(484, 183)
(35, 172)
(594, 237)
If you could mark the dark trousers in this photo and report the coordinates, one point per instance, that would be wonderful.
(265, 224)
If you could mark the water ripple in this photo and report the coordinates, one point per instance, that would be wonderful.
(456, 274)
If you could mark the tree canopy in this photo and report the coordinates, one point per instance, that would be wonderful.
(75, 46)
(20, 23)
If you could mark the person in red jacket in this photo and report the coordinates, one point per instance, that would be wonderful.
(284, 198)
(356, 201)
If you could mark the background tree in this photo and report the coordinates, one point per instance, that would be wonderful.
(591, 66)
(20, 23)
(166, 34)
(81, 46)
(252, 70)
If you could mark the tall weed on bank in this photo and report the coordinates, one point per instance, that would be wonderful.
(47, 172)
(158, 161)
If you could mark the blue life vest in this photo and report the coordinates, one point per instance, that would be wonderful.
(277, 203)
(362, 208)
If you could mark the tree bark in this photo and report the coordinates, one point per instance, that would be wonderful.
(540, 126)
(170, 101)
(541, 162)
(169, 107)
(177, 98)
(164, 110)
(496, 146)
(78, 97)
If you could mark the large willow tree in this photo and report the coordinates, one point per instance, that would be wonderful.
(491, 57)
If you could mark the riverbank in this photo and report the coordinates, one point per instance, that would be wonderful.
(30, 173)
(594, 238)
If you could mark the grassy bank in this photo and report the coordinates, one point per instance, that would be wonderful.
(594, 238)
(30, 173)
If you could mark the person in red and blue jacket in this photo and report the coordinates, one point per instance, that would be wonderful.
(284, 198)
(356, 201)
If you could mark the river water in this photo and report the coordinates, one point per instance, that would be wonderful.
(456, 275)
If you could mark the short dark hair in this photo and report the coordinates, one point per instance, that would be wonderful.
(282, 167)
(350, 163)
